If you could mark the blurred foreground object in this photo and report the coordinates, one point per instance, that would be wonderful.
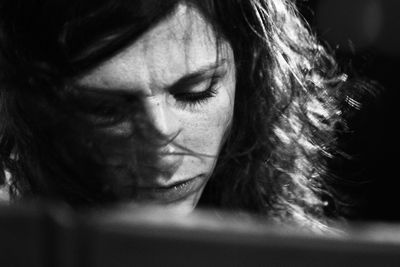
(52, 236)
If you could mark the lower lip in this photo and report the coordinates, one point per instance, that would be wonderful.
(170, 194)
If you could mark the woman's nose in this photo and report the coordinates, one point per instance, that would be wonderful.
(166, 122)
(163, 118)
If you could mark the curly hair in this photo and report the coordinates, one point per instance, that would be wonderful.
(288, 92)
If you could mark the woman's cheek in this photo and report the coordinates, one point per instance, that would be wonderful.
(205, 131)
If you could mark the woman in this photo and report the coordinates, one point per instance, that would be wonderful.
(225, 104)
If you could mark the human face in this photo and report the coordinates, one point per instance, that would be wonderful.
(188, 81)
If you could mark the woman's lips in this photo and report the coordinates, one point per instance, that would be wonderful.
(167, 194)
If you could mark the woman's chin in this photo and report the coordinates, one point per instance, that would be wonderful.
(180, 207)
(180, 200)
(151, 212)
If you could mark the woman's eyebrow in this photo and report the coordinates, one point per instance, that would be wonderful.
(90, 90)
(203, 73)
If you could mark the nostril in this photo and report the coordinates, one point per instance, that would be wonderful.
(167, 150)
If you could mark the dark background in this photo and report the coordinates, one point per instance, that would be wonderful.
(365, 38)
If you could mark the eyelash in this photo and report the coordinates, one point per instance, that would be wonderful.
(187, 99)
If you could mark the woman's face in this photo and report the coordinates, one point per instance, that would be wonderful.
(189, 87)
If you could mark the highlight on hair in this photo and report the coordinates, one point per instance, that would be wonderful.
(288, 99)
(286, 106)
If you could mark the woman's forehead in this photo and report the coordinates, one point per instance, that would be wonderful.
(182, 43)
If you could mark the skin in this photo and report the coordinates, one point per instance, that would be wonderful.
(180, 45)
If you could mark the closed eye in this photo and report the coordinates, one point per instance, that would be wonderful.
(198, 87)
(194, 98)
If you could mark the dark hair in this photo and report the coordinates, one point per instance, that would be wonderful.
(286, 109)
